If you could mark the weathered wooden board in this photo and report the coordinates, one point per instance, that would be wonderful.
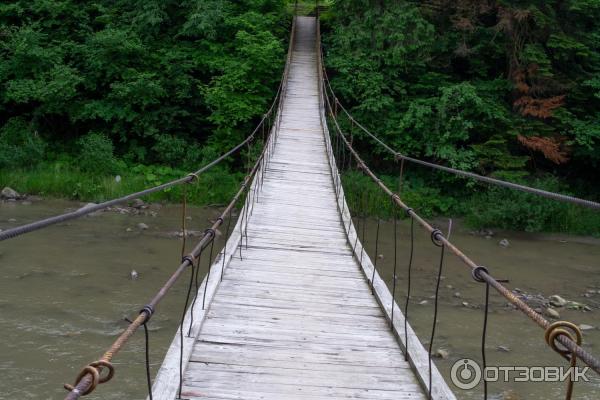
(294, 317)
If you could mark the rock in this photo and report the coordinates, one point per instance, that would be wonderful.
(441, 353)
(88, 205)
(591, 291)
(449, 287)
(488, 237)
(517, 290)
(9, 193)
(12, 220)
(133, 275)
(552, 313)
(587, 295)
(423, 302)
(155, 207)
(557, 301)
(465, 304)
(503, 349)
(153, 214)
(26, 203)
(538, 310)
(586, 327)
(137, 203)
(142, 226)
(380, 257)
(504, 243)
(587, 308)
(128, 230)
(573, 305)
(457, 295)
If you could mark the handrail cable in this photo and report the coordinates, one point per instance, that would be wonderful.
(91, 375)
(494, 181)
(478, 272)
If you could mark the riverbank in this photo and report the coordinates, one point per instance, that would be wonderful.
(480, 206)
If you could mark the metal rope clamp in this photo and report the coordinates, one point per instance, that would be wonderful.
(565, 329)
(210, 231)
(148, 310)
(476, 273)
(189, 258)
(436, 237)
(194, 177)
(94, 370)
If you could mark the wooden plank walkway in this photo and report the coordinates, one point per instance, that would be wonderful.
(294, 318)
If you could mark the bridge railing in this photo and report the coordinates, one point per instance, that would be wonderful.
(562, 336)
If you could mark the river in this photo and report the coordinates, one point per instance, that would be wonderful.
(65, 291)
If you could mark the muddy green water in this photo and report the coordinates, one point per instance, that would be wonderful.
(64, 292)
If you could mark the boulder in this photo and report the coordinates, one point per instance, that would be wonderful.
(138, 203)
(441, 353)
(9, 194)
(586, 327)
(557, 301)
(142, 226)
(552, 313)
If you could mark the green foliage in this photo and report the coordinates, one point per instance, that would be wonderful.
(136, 71)
(510, 209)
(96, 154)
(20, 146)
(458, 83)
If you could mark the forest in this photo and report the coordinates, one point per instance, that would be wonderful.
(150, 90)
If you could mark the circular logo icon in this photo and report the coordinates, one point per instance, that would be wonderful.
(465, 374)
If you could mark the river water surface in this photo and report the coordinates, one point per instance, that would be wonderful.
(65, 290)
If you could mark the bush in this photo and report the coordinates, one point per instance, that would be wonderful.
(96, 154)
(20, 146)
(511, 209)
(177, 152)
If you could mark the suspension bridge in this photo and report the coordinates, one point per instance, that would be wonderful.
(293, 307)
